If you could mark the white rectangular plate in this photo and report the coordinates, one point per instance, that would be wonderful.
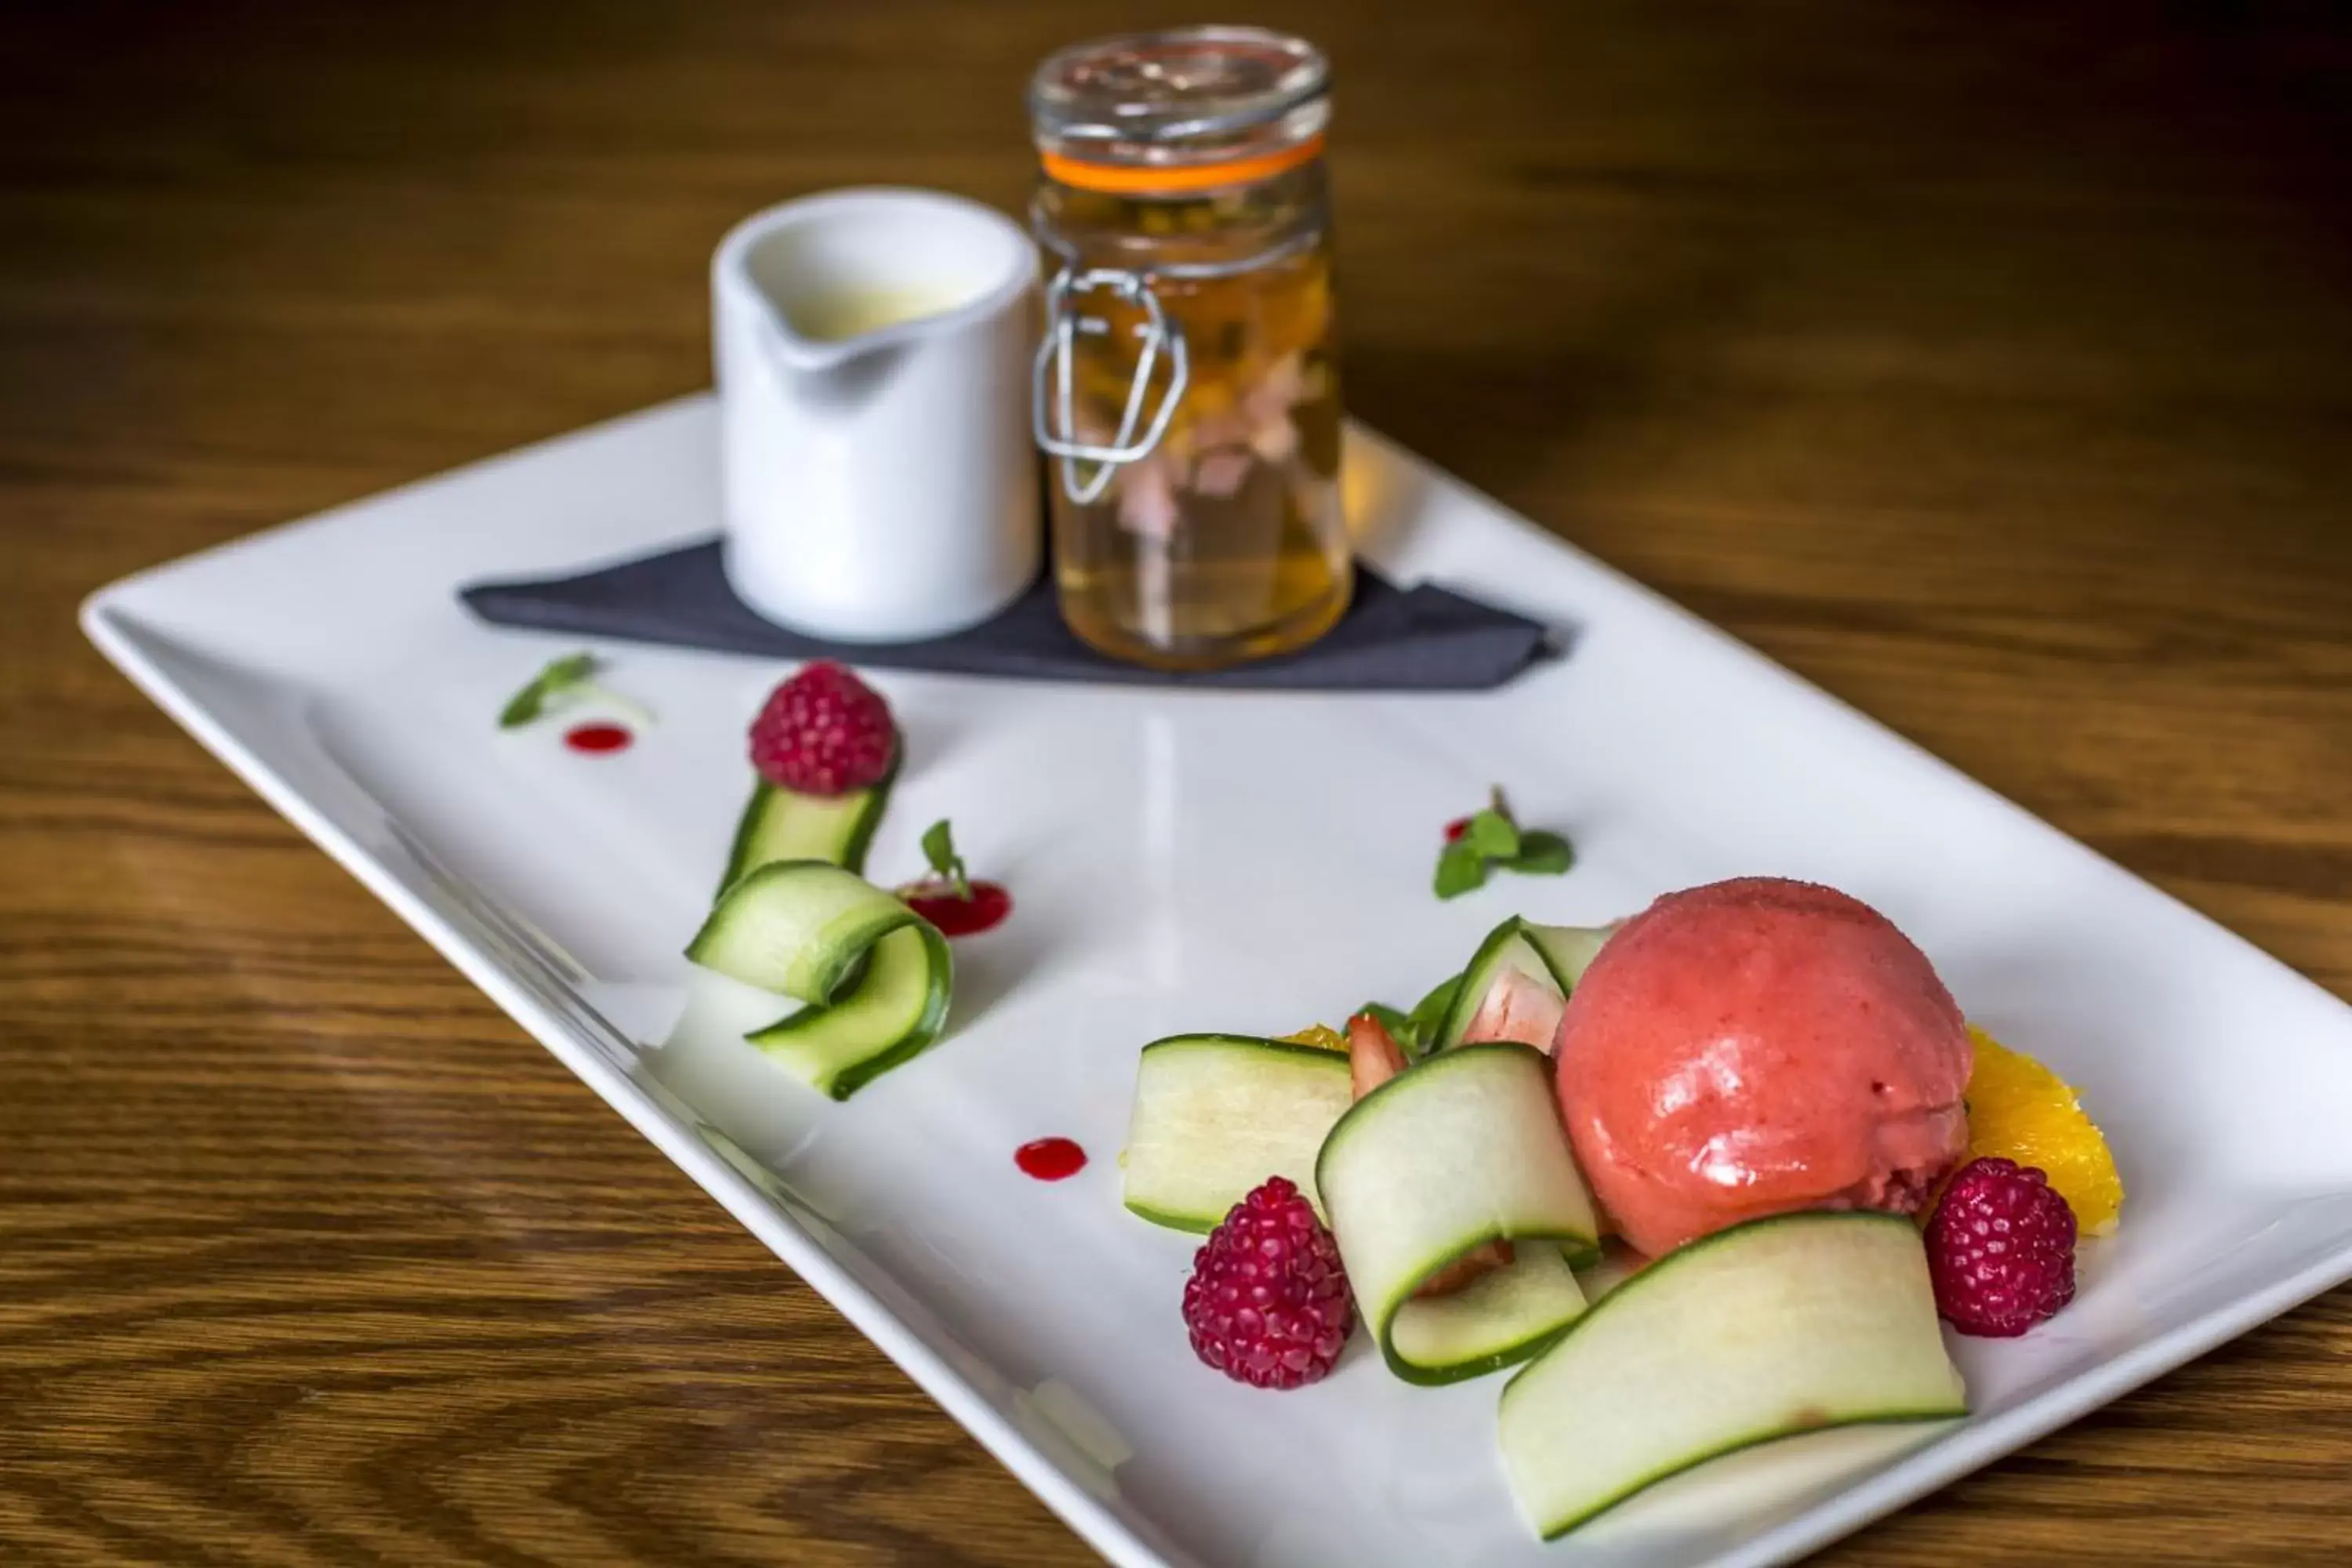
(1190, 861)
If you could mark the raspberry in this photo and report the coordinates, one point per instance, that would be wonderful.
(2001, 1249)
(1268, 1302)
(824, 731)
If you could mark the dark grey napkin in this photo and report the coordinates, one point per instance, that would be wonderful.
(1422, 638)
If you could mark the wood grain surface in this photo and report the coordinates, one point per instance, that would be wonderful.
(1991, 366)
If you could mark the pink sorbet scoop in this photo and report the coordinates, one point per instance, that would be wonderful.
(1759, 1046)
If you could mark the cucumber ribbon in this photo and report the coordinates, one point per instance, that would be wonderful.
(1460, 1149)
(873, 975)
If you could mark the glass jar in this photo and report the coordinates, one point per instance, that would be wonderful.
(1187, 395)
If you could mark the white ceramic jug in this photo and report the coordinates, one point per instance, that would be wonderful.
(873, 348)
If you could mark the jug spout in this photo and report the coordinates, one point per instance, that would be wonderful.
(836, 278)
(798, 353)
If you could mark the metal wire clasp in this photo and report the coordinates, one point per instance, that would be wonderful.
(1051, 415)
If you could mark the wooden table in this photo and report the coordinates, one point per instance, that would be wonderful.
(1993, 370)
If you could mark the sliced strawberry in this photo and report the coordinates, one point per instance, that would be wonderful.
(1516, 1007)
(1475, 1264)
(1373, 1055)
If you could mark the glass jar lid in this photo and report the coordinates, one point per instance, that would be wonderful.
(1182, 109)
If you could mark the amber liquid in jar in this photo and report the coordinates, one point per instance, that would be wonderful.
(1225, 542)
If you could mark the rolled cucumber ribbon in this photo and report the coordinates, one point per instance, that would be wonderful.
(1460, 1149)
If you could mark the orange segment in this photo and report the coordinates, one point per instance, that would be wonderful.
(2021, 1111)
(1322, 1036)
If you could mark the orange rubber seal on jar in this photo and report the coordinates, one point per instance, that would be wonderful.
(1175, 179)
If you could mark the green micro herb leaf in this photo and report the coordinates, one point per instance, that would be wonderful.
(1541, 854)
(564, 681)
(1416, 1031)
(939, 848)
(1428, 1016)
(1491, 838)
(1460, 868)
(1491, 834)
(559, 678)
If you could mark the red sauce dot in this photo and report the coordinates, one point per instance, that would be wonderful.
(987, 907)
(1457, 828)
(597, 738)
(1050, 1159)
